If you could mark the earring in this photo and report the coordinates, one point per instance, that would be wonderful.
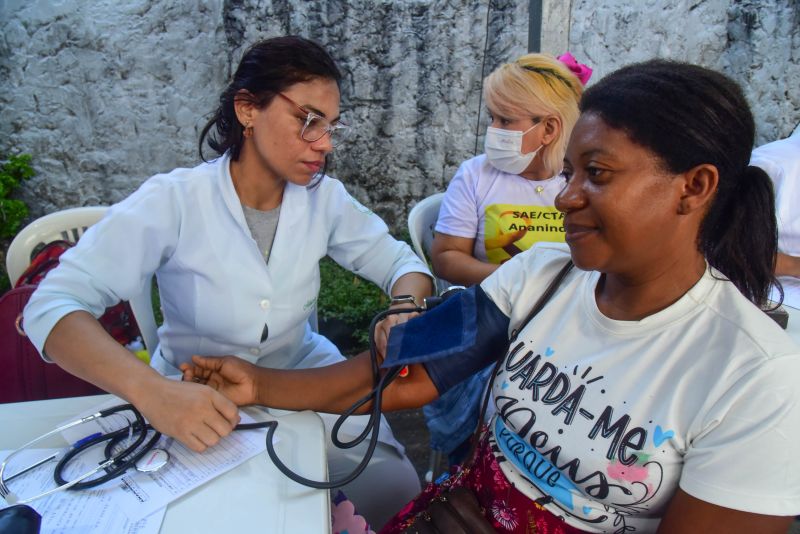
(248, 130)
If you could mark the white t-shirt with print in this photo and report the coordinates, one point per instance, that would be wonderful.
(609, 417)
(504, 213)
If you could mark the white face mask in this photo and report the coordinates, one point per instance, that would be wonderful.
(503, 148)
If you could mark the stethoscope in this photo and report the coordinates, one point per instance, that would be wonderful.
(142, 454)
(126, 448)
(379, 384)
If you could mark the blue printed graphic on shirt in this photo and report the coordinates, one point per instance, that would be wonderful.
(534, 466)
(608, 485)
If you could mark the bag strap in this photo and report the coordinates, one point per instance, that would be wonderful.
(44, 257)
(543, 299)
(540, 304)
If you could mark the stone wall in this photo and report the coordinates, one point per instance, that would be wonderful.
(756, 42)
(106, 93)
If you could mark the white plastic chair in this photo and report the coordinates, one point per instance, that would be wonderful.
(421, 223)
(69, 225)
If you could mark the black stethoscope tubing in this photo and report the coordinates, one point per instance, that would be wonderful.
(122, 461)
(129, 456)
(126, 458)
(380, 383)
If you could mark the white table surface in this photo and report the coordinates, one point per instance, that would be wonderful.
(253, 497)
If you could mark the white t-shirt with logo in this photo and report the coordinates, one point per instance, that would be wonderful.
(609, 417)
(504, 213)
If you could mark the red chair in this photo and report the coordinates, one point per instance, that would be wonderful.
(25, 376)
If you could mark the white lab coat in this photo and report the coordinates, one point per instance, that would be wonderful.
(188, 228)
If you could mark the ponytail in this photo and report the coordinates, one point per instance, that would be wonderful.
(228, 134)
(739, 235)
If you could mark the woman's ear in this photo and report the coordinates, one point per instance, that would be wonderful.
(244, 107)
(698, 187)
(552, 127)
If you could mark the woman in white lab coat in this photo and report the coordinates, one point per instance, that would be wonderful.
(234, 244)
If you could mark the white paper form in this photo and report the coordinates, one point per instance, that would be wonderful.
(67, 512)
(140, 494)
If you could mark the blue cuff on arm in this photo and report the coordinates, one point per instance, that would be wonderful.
(455, 340)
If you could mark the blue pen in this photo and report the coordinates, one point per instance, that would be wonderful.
(87, 438)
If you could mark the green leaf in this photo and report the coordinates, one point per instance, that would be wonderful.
(19, 167)
(12, 213)
(349, 298)
(12, 173)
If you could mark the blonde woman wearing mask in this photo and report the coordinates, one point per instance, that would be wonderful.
(501, 202)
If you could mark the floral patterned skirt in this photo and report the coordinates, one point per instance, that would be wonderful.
(506, 508)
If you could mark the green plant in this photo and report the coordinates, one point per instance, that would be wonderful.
(349, 298)
(13, 171)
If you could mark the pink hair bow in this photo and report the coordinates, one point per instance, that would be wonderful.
(580, 70)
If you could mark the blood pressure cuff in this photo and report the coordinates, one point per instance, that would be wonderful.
(19, 519)
(455, 340)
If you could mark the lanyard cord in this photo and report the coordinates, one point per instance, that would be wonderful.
(380, 383)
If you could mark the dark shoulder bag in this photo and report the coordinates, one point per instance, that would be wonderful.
(455, 510)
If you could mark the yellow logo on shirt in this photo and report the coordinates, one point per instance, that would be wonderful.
(509, 229)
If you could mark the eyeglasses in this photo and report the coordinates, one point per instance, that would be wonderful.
(316, 127)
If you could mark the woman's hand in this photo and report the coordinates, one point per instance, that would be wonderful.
(383, 327)
(416, 285)
(235, 378)
(194, 414)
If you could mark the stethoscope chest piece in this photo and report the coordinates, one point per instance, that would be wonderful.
(154, 460)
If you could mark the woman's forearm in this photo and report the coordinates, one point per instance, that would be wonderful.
(334, 388)
(80, 345)
(195, 415)
(417, 284)
(786, 265)
(461, 268)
